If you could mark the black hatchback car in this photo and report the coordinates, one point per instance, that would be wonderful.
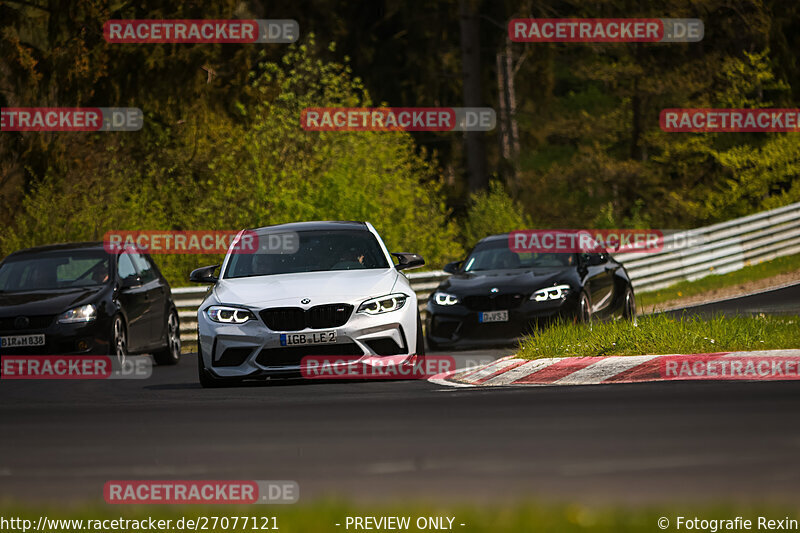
(497, 294)
(80, 299)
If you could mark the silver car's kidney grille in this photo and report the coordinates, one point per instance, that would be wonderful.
(296, 318)
(284, 318)
(328, 316)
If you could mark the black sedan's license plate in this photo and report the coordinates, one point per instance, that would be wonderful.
(320, 337)
(493, 316)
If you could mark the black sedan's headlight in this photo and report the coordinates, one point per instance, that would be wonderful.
(558, 292)
(443, 298)
(229, 315)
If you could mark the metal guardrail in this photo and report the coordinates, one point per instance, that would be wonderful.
(723, 248)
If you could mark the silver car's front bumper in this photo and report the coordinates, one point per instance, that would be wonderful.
(265, 354)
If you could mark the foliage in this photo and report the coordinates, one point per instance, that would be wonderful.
(222, 147)
(209, 172)
(491, 213)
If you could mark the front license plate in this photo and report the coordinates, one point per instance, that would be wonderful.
(22, 341)
(320, 337)
(493, 316)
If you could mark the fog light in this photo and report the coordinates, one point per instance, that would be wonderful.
(83, 345)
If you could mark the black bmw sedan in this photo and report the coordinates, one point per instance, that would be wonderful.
(80, 299)
(497, 294)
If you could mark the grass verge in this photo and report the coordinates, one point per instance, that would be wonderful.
(660, 334)
(322, 517)
(646, 301)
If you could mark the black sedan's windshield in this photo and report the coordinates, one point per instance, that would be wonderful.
(318, 250)
(54, 270)
(495, 255)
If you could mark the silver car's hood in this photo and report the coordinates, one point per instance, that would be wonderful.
(319, 287)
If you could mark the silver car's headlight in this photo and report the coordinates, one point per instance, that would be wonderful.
(551, 293)
(383, 304)
(442, 298)
(84, 313)
(229, 315)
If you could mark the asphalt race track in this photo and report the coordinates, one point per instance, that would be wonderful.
(781, 301)
(377, 441)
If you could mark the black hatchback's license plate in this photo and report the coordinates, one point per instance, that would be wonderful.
(22, 341)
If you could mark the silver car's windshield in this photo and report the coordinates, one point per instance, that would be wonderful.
(318, 250)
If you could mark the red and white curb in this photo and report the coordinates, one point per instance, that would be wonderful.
(756, 366)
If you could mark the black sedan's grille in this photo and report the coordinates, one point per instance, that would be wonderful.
(494, 303)
(19, 323)
(506, 331)
(296, 319)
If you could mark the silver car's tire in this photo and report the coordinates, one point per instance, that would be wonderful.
(420, 337)
(207, 379)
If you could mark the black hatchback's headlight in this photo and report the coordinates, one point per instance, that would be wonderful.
(84, 313)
